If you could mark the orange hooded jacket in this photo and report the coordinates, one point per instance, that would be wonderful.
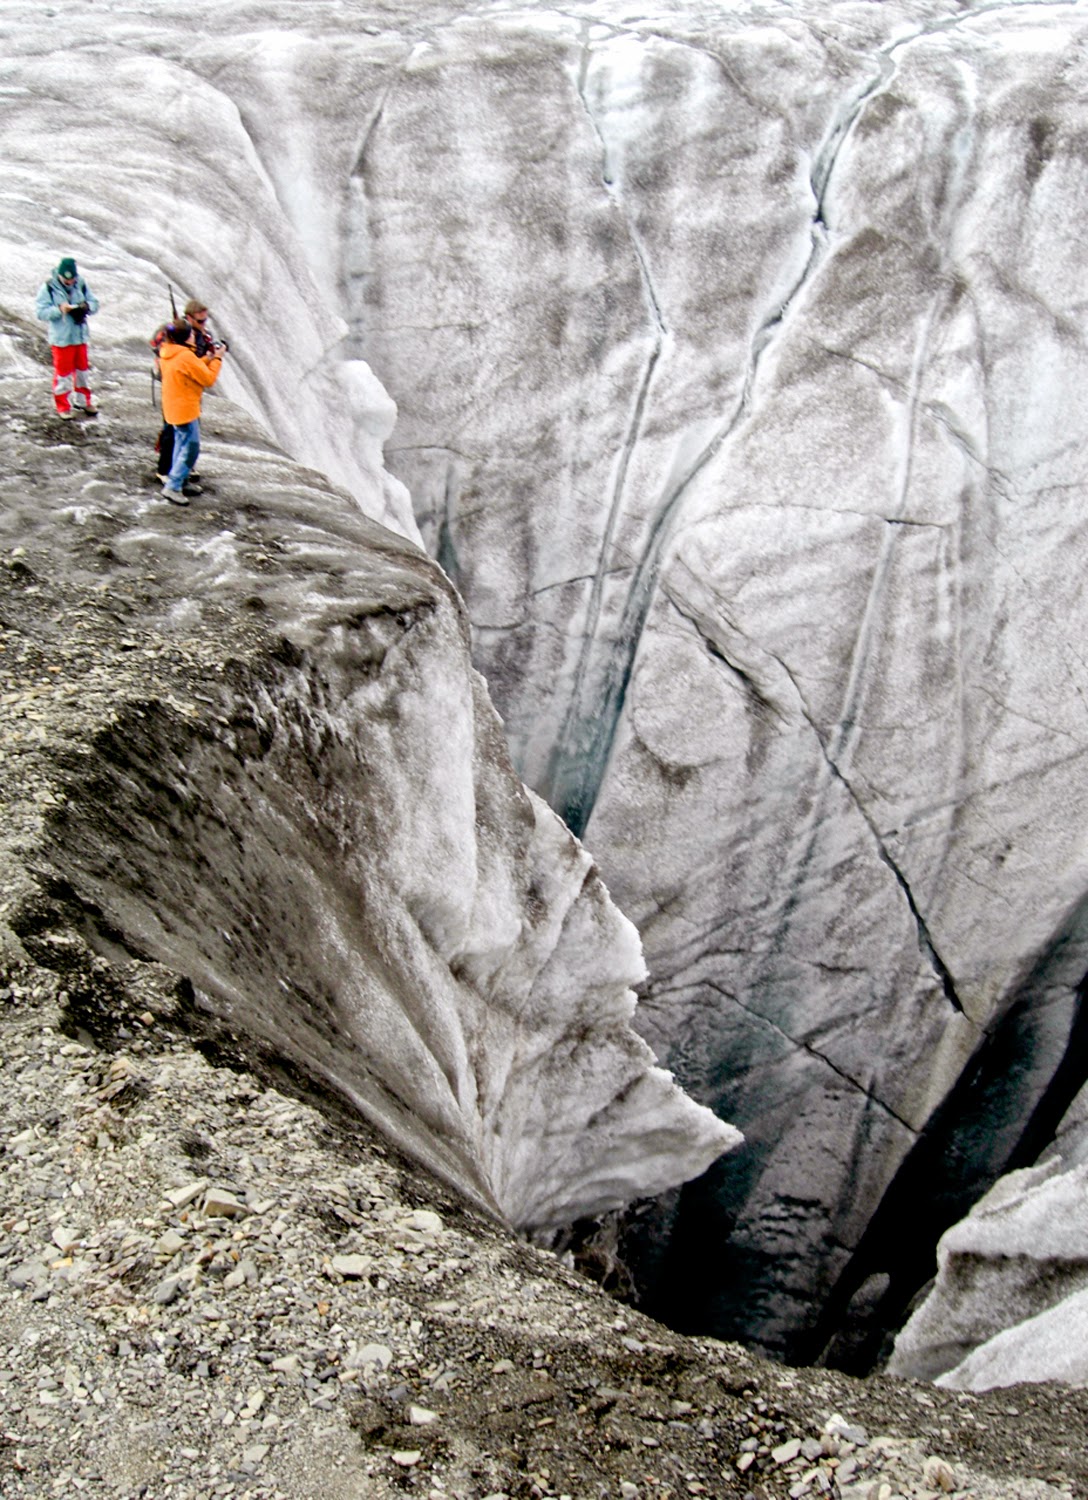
(184, 378)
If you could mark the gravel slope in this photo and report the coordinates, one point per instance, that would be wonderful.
(210, 1288)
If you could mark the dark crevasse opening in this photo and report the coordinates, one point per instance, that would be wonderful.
(1001, 1116)
(696, 1274)
(693, 1274)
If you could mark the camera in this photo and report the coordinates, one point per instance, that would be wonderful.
(78, 312)
(221, 344)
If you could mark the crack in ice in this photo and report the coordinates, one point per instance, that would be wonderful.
(565, 757)
(619, 658)
(864, 1089)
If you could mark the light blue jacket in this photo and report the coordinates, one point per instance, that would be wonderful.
(63, 328)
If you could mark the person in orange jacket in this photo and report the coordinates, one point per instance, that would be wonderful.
(185, 377)
(197, 314)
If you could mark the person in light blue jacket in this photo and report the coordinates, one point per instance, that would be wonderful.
(65, 302)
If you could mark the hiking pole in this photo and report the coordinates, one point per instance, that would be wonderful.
(173, 304)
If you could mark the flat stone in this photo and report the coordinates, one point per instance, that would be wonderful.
(786, 1452)
(352, 1266)
(424, 1221)
(181, 1197)
(370, 1354)
(27, 1274)
(218, 1203)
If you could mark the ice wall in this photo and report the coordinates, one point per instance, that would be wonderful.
(757, 453)
(738, 361)
(244, 743)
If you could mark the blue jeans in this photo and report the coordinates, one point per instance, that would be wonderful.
(186, 453)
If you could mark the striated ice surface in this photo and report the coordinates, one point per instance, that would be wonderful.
(292, 791)
(731, 362)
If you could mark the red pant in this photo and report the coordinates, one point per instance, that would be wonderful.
(70, 363)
